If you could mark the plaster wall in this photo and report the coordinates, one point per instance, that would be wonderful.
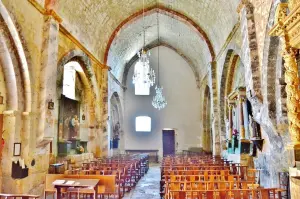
(181, 113)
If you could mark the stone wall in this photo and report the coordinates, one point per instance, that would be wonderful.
(36, 48)
(264, 78)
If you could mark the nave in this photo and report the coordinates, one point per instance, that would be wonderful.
(148, 187)
(92, 92)
(177, 177)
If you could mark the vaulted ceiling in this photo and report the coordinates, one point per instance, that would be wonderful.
(112, 29)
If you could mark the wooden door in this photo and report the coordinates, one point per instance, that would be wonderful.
(168, 142)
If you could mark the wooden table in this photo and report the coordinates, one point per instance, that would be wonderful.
(78, 183)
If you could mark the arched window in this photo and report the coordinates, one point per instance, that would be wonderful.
(143, 124)
(141, 88)
(69, 78)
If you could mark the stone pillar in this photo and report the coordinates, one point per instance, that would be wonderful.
(25, 137)
(205, 140)
(215, 111)
(91, 144)
(241, 117)
(9, 129)
(48, 74)
(230, 121)
(292, 81)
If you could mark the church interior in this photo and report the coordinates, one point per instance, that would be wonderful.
(138, 99)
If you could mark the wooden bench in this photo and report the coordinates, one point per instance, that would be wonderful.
(107, 183)
(14, 196)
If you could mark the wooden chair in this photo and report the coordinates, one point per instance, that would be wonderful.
(240, 194)
(268, 193)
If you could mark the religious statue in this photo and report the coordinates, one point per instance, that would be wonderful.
(116, 135)
(116, 131)
(73, 127)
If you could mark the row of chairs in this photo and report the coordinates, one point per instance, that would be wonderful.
(197, 177)
(225, 194)
(117, 175)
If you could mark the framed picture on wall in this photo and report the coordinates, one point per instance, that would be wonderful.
(17, 149)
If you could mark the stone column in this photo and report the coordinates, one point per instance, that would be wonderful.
(292, 81)
(9, 128)
(241, 116)
(230, 121)
(215, 110)
(25, 137)
(204, 140)
(48, 74)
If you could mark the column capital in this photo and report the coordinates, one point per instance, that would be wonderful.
(10, 113)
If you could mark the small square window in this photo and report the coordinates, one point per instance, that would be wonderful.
(143, 124)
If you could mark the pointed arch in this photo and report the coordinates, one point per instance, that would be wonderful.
(164, 10)
(230, 63)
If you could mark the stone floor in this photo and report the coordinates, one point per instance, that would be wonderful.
(148, 186)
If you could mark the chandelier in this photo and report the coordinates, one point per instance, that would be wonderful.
(159, 101)
(143, 73)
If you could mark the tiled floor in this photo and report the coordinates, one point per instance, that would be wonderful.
(148, 186)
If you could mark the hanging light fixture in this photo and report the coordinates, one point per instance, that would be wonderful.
(143, 73)
(159, 101)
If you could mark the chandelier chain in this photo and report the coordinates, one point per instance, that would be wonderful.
(144, 24)
(157, 19)
(159, 101)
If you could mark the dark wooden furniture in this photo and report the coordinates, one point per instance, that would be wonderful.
(153, 154)
(56, 168)
(78, 183)
(64, 148)
(284, 184)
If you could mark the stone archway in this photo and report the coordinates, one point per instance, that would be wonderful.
(91, 93)
(18, 96)
(116, 121)
(230, 63)
(164, 10)
(273, 86)
(249, 54)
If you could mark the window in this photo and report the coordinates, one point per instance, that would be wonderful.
(69, 79)
(141, 88)
(143, 124)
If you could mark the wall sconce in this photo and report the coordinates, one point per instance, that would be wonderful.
(51, 105)
(83, 117)
(1, 99)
